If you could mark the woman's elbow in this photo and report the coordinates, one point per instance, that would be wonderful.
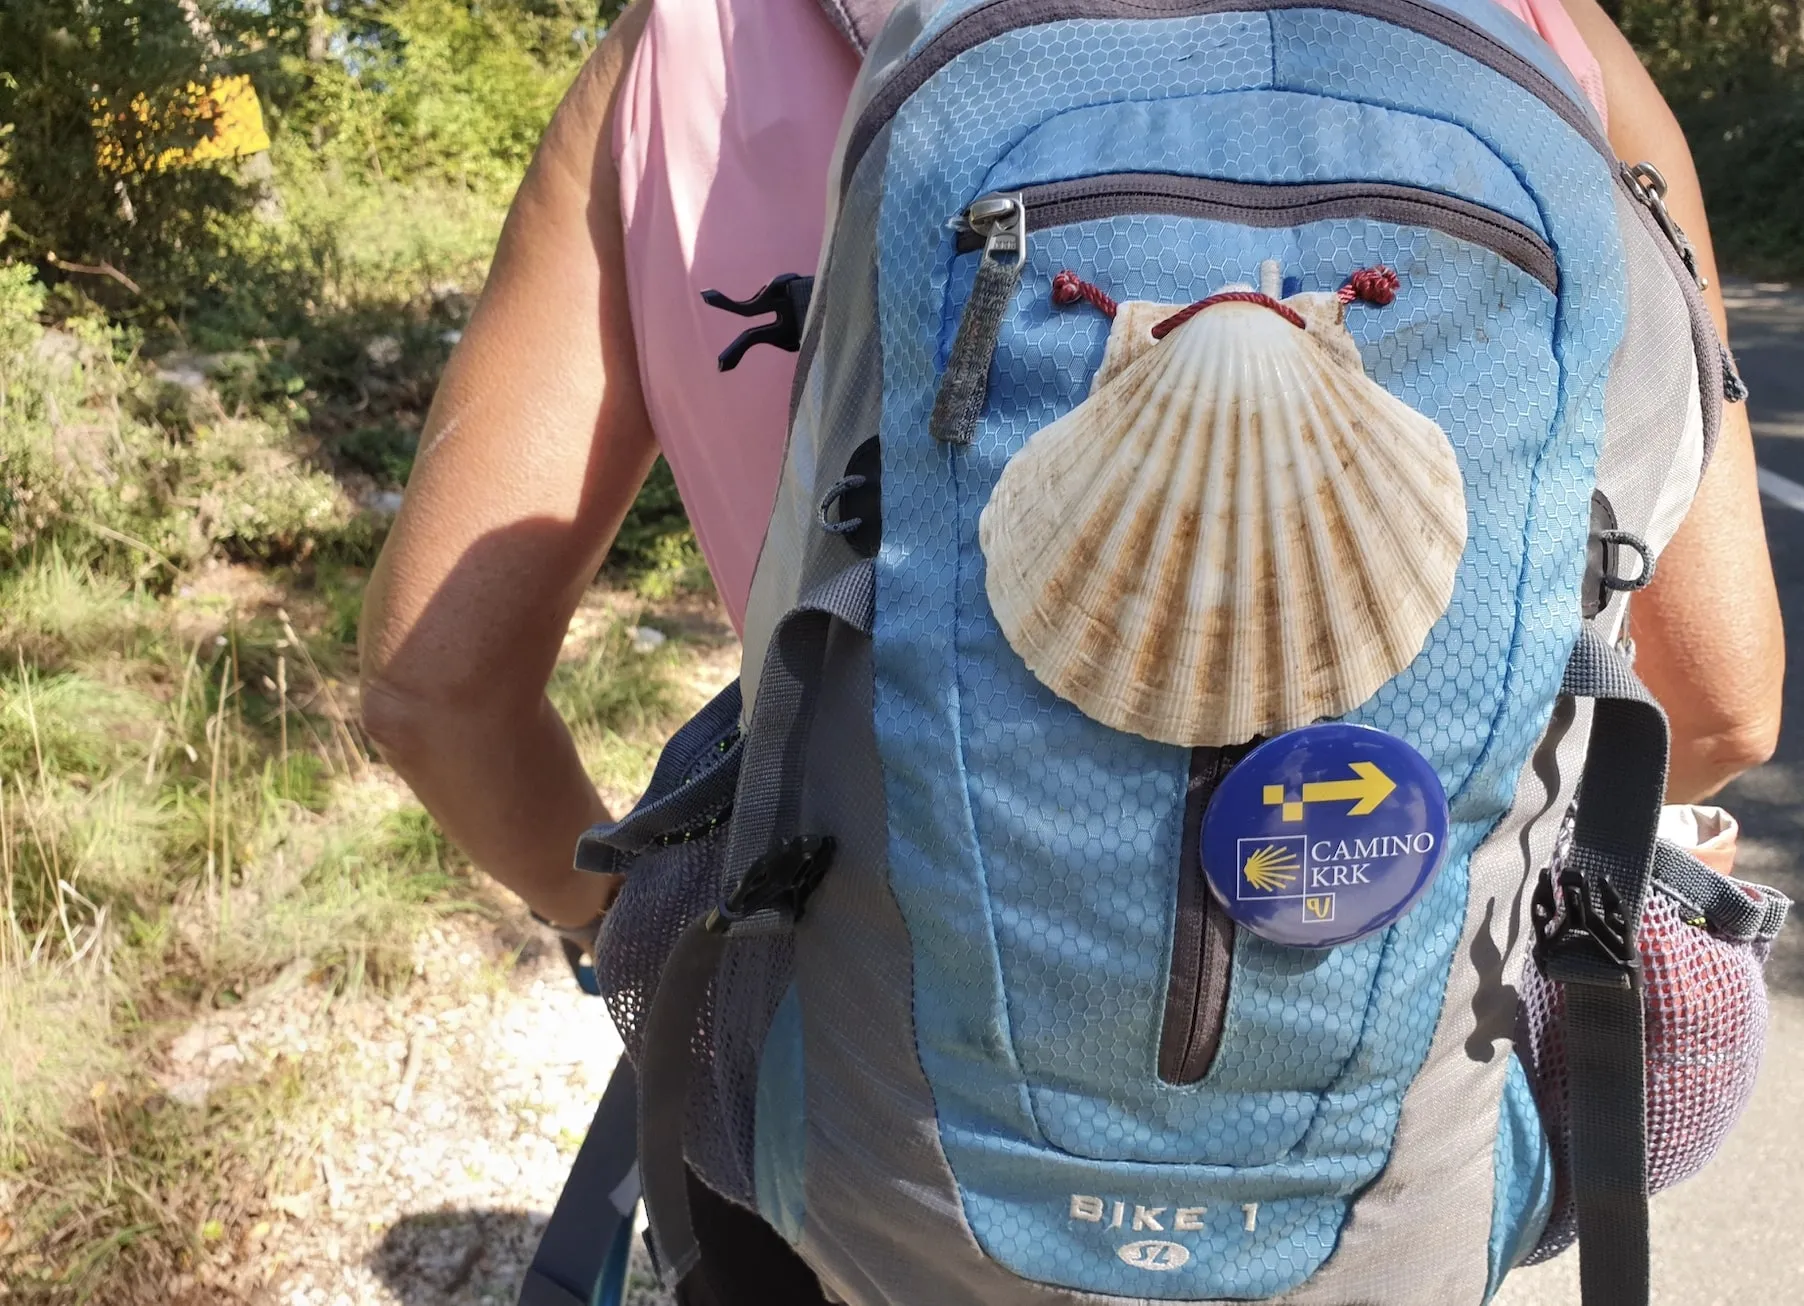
(1705, 763)
(1747, 746)
(401, 708)
(397, 722)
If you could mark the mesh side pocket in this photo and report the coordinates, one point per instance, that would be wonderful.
(1705, 1004)
(720, 1134)
(672, 850)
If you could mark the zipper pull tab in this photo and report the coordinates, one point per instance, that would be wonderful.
(1002, 222)
(1648, 184)
(964, 387)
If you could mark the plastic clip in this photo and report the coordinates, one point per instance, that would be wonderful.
(787, 297)
(1582, 933)
(780, 881)
(1603, 559)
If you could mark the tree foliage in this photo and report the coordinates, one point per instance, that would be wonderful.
(354, 92)
(62, 62)
(1733, 71)
(445, 89)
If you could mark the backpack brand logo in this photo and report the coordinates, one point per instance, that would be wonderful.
(1152, 1254)
(1156, 1254)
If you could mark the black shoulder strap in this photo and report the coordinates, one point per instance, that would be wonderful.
(581, 1258)
(1588, 923)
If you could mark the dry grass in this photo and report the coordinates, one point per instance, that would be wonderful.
(188, 814)
(190, 817)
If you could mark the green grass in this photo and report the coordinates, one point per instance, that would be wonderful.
(188, 810)
(189, 815)
(178, 827)
(612, 688)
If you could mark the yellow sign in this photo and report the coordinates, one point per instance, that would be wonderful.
(1371, 788)
(218, 122)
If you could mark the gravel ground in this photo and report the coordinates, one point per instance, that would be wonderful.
(458, 1108)
(461, 1102)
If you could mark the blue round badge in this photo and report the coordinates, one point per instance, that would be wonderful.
(1324, 835)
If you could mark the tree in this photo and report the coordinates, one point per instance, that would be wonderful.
(71, 72)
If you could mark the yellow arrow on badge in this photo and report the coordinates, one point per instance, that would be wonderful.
(1372, 788)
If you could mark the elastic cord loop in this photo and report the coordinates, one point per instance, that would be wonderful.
(834, 492)
(1629, 540)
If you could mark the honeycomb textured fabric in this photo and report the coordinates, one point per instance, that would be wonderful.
(1267, 136)
(1040, 897)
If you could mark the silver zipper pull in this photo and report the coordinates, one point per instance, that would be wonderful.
(1002, 222)
(964, 386)
(1647, 184)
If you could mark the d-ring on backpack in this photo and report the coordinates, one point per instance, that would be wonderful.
(1223, 433)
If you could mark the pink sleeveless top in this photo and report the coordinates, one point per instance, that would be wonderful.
(726, 122)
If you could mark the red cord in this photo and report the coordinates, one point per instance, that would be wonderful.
(1376, 285)
(1068, 288)
(1183, 315)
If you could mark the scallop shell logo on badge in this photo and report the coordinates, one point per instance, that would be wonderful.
(1155, 1254)
(1270, 866)
(1325, 835)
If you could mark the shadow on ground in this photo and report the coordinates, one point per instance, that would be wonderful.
(448, 1258)
(440, 1257)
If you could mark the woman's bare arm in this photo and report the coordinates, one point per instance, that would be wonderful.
(536, 444)
(1707, 630)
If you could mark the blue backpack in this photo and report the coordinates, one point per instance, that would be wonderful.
(996, 950)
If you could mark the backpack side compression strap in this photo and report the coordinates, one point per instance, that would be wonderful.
(581, 1257)
(1590, 952)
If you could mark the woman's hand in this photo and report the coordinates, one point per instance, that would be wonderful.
(1707, 630)
(537, 442)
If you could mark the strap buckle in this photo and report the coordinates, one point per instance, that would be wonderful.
(787, 297)
(780, 881)
(1582, 933)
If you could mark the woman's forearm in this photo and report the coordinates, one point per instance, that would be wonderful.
(537, 442)
(506, 784)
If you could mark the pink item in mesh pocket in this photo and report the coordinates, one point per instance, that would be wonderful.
(1703, 943)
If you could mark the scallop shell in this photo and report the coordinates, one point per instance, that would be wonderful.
(1236, 534)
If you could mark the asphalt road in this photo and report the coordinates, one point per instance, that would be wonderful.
(1735, 1233)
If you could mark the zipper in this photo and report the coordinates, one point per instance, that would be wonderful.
(1000, 223)
(1648, 186)
(1277, 204)
(1202, 949)
(1718, 378)
(985, 22)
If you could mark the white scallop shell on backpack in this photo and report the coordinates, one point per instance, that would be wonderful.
(1237, 533)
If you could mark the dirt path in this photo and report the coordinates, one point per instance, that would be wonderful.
(457, 1110)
